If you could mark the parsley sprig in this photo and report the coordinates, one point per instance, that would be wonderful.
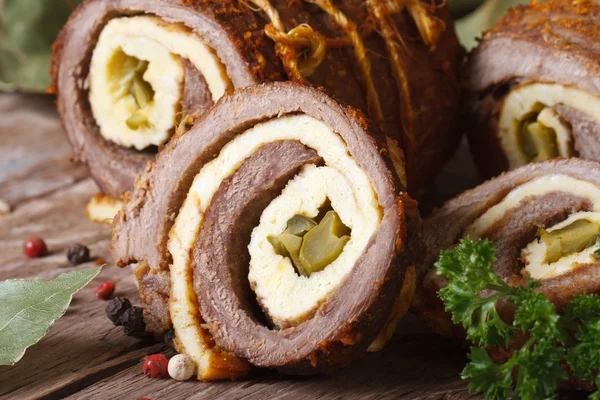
(550, 340)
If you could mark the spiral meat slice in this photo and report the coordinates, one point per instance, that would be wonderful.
(544, 219)
(137, 78)
(131, 74)
(546, 104)
(204, 217)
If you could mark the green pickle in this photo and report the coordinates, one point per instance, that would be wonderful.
(309, 245)
(292, 244)
(299, 225)
(277, 245)
(138, 120)
(324, 243)
(141, 90)
(571, 239)
(538, 141)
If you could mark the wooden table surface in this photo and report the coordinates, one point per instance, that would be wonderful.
(85, 357)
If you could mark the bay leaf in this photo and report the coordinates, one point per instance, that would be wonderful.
(27, 30)
(29, 308)
(460, 8)
(471, 26)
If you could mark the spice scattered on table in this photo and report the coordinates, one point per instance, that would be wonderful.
(181, 367)
(133, 322)
(105, 290)
(155, 366)
(116, 308)
(78, 254)
(35, 247)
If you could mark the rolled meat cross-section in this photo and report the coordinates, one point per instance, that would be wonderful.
(544, 219)
(129, 74)
(272, 232)
(533, 84)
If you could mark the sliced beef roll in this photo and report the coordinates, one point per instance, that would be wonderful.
(534, 86)
(129, 73)
(544, 219)
(273, 231)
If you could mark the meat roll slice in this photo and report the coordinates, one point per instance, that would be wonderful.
(272, 231)
(129, 73)
(534, 86)
(544, 219)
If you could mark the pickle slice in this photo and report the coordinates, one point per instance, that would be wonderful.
(299, 224)
(324, 243)
(571, 239)
(138, 120)
(141, 91)
(277, 245)
(309, 245)
(538, 141)
(292, 244)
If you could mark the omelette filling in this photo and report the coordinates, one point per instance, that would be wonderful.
(286, 297)
(558, 249)
(561, 248)
(530, 129)
(136, 78)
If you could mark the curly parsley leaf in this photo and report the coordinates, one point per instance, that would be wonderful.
(536, 315)
(471, 296)
(540, 370)
(468, 268)
(486, 376)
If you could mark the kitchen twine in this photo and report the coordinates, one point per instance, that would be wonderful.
(288, 44)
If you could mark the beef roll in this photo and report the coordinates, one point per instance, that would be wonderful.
(544, 219)
(271, 234)
(534, 86)
(130, 73)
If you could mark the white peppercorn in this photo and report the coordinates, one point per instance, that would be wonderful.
(181, 367)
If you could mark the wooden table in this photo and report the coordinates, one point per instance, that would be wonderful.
(85, 357)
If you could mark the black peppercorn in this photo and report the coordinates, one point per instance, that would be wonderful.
(116, 308)
(133, 322)
(78, 254)
(169, 336)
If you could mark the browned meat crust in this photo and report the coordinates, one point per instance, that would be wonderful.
(349, 320)
(235, 31)
(548, 42)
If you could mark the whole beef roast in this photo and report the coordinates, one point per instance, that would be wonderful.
(130, 73)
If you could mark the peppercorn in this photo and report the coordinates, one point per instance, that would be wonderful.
(169, 337)
(133, 322)
(181, 367)
(35, 247)
(105, 290)
(116, 308)
(78, 254)
(155, 366)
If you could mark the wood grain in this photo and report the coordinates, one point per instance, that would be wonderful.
(85, 357)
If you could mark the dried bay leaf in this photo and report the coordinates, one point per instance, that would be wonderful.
(29, 308)
(27, 30)
(471, 26)
(460, 8)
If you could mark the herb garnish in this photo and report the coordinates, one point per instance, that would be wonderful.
(551, 340)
